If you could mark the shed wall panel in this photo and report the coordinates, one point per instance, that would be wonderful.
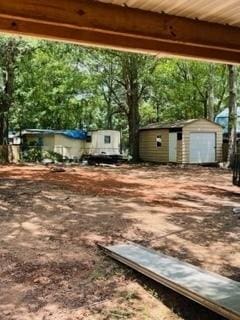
(179, 151)
(201, 126)
(148, 150)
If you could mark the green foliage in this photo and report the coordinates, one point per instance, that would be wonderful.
(63, 86)
(36, 154)
(51, 88)
(182, 89)
(33, 154)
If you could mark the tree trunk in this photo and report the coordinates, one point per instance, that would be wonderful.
(232, 118)
(158, 113)
(205, 109)
(3, 137)
(9, 57)
(210, 102)
(133, 122)
(130, 76)
(109, 116)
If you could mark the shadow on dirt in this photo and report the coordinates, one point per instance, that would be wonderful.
(51, 223)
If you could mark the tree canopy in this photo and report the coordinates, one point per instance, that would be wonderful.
(64, 86)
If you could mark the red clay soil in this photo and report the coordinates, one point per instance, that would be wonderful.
(51, 222)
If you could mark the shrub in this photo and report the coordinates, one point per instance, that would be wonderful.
(36, 154)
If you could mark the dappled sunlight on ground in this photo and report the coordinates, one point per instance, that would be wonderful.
(51, 223)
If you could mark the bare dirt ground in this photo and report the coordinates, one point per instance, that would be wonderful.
(50, 224)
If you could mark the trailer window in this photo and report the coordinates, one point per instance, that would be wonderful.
(89, 139)
(107, 139)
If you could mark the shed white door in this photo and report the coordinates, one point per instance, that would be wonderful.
(172, 146)
(202, 147)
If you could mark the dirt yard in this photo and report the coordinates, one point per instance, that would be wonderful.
(51, 267)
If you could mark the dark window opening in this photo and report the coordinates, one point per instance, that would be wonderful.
(159, 141)
(89, 139)
(175, 130)
(107, 139)
(179, 135)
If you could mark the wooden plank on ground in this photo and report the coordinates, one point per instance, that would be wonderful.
(217, 293)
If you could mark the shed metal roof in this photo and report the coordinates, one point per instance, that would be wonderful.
(219, 11)
(174, 125)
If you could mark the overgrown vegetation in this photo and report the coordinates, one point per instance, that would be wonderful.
(36, 154)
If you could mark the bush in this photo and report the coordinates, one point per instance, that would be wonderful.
(54, 156)
(36, 154)
(32, 154)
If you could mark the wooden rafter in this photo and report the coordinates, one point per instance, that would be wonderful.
(95, 23)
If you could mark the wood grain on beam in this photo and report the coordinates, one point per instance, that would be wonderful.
(90, 38)
(95, 23)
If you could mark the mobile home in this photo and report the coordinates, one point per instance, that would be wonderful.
(73, 144)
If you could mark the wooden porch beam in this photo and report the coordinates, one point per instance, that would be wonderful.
(98, 24)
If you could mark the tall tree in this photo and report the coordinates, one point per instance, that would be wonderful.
(232, 105)
(210, 93)
(126, 78)
(9, 50)
(130, 76)
(135, 79)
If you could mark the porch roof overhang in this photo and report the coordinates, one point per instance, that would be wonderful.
(198, 29)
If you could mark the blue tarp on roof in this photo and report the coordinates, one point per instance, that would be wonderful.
(222, 119)
(75, 134)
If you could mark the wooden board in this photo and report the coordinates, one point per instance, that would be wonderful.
(217, 293)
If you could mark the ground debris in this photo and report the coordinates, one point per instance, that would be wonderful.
(57, 169)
